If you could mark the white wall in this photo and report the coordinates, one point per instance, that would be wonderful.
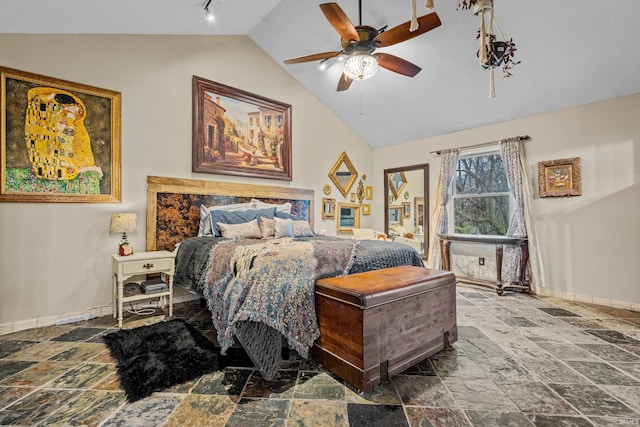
(590, 244)
(55, 257)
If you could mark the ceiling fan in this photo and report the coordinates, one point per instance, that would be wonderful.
(360, 42)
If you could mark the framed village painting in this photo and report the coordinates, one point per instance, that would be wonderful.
(560, 178)
(60, 141)
(239, 133)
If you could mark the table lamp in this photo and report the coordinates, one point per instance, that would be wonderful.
(124, 223)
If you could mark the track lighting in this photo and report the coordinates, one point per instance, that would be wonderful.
(207, 12)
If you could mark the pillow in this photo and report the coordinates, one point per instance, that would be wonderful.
(238, 217)
(302, 229)
(286, 227)
(281, 214)
(204, 229)
(283, 227)
(285, 207)
(398, 229)
(267, 227)
(249, 230)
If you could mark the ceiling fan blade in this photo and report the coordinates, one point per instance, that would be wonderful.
(344, 83)
(398, 65)
(401, 32)
(339, 20)
(314, 57)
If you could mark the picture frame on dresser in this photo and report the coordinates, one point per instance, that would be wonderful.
(59, 140)
(236, 132)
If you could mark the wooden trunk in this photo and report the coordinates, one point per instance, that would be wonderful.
(376, 324)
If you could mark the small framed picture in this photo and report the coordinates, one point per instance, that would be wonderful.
(366, 209)
(352, 197)
(368, 192)
(560, 178)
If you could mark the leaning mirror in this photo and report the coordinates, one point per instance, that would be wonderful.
(343, 174)
(406, 200)
(348, 217)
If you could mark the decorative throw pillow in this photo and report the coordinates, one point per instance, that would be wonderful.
(267, 227)
(284, 207)
(284, 227)
(250, 230)
(238, 217)
(204, 229)
(281, 214)
(302, 229)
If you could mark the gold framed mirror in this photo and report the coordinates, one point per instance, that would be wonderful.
(408, 183)
(343, 174)
(397, 182)
(328, 208)
(348, 217)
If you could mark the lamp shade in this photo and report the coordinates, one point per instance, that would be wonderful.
(360, 66)
(123, 223)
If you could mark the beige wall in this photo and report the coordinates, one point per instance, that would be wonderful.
(589, 244)
(54, 257)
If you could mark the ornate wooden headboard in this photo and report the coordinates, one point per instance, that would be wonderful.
(173, 205)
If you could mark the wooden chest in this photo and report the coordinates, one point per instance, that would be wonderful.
(376, 324)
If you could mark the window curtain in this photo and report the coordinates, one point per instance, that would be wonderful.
(521, 222)
(439, 219)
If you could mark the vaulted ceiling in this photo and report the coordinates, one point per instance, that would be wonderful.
(573, 52)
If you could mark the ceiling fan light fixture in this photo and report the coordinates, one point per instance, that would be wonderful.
(360, 66)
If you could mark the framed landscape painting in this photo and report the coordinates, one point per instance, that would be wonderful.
(239, 133)
(60, 141)
(560, 178)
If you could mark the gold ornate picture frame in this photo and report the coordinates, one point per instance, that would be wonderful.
(60, 141)
(560, 178)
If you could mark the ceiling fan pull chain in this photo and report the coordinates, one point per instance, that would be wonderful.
(414, 18)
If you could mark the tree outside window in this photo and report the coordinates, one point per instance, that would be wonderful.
(480, 195)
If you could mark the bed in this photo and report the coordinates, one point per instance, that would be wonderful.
(258, 287)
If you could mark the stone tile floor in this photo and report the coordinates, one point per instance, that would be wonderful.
(520, 361)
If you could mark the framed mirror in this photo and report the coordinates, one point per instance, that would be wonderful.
(395, 215)
(343, 174)
(348, 217)
(397, 182)
(408, 183)
(328, 208)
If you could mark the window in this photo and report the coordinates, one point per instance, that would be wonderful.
(480, 195)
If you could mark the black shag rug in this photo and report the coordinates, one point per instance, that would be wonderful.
(156, 357)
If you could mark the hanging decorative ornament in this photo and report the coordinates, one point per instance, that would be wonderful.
(491, 52)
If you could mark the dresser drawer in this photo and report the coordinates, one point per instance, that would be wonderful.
(148, 266)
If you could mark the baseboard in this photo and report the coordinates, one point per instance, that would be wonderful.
(38, 322)
(607, 302)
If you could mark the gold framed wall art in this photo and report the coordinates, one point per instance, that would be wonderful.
(60, 141)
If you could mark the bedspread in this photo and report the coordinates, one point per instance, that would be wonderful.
(262, 292)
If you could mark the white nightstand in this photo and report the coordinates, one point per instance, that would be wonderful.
(140, 263)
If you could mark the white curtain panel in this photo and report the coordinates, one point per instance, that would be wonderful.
(439, 219)
(521, 223)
